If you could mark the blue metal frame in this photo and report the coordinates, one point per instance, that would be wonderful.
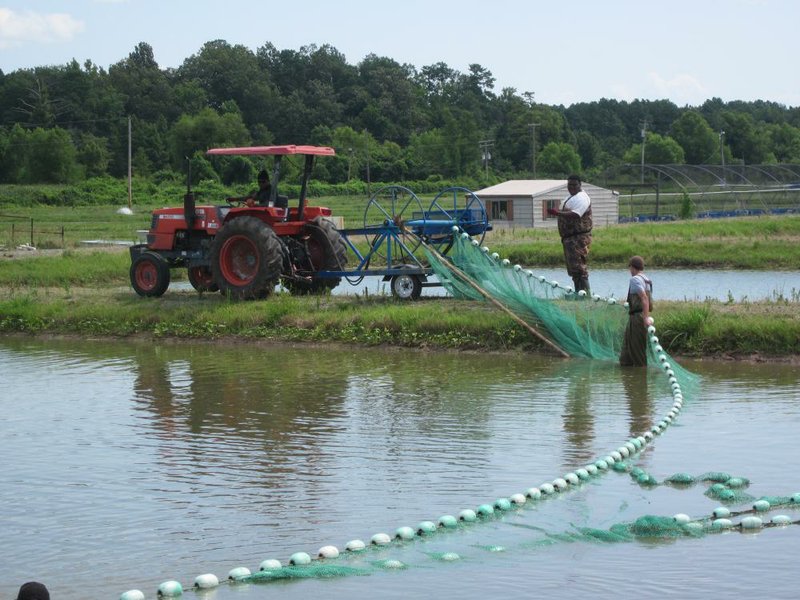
(434, 225)
(384, 236)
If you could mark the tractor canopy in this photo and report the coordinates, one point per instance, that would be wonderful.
(273, 150)
(278, 152)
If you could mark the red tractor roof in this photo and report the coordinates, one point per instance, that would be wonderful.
(268, 150)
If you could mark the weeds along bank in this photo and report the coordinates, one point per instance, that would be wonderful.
(770, 330)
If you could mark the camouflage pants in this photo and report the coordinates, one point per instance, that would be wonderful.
(576, 249)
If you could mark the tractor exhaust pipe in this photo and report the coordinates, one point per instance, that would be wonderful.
(188, 197)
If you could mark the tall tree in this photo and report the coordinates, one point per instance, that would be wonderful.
(747, 140)
(695, 136)
(145, 88)
(559, 159)
(226, 72)
(197, 133)
(658, 150)
(391, 112)
(785, 142)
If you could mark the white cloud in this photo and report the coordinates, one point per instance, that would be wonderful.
(621, 91)
(18, 28)
(681, 89)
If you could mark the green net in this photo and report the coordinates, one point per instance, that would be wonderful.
(582, 326)
(651, 526)
(319, 570)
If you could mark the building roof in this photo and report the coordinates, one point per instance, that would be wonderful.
(523, 187)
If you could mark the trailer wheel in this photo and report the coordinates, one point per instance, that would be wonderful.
(325, 250)
(246, 259)
(406, 287)
(202, 279)
(149, 274)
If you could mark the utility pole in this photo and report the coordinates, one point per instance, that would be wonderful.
(486, 155)
(644, 137)
(130, 191)
(349, 162)
(722, 155)
(366, 146)
(533, 127)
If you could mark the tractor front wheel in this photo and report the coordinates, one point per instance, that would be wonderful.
(149, 274)
(246, 259)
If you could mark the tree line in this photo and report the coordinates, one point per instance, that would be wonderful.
(388, 121)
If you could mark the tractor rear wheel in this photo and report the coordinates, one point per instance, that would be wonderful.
(149, 274)
(246, 259)
(202, 279)
(325, 250)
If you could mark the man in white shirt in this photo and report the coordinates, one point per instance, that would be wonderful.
(575, 229)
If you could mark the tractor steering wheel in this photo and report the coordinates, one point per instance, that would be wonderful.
(236, 200)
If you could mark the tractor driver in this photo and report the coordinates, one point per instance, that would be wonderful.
(261, 195)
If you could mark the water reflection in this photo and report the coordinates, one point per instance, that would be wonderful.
(142, 462)
(640, 407)
(671, 284)
(579, 409)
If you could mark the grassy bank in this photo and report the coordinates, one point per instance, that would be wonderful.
(765, 242)
(769, 243)
(767, 329)
(87, 292)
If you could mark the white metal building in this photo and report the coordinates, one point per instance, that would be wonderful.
(524, 202)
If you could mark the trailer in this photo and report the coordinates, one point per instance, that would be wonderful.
(395, 227)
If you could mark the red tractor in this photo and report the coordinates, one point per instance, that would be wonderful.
(243, 248)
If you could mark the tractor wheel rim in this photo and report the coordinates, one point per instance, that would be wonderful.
(202, 276)
(146, 276)
(239, 260)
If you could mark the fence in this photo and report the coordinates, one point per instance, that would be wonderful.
(731, 202)
(25, 228)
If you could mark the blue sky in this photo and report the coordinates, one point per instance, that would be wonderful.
(564, 52)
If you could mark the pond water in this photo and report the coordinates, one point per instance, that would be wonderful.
(129, 464)
(668, 284)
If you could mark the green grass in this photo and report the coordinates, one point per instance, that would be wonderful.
(768, 329)
(766, 243)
